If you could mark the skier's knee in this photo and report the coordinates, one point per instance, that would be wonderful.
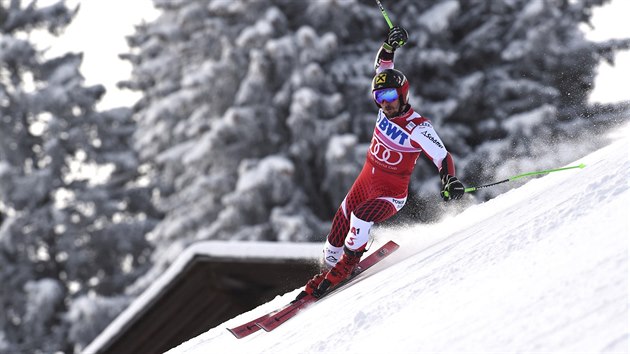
(359, 233)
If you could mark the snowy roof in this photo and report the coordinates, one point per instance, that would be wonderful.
(235, 251)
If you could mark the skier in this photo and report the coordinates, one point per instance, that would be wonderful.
(380, 190)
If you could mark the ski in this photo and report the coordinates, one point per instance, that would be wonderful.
(275, 319)
(248, 328)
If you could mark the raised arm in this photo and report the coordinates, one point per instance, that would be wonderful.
(396, 38)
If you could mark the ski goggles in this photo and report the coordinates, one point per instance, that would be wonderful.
(387, 94)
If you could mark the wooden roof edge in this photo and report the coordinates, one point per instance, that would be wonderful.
(243, 251)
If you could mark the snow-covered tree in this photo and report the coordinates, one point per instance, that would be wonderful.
(73, 214)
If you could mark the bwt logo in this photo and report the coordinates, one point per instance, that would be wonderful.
(392, 130)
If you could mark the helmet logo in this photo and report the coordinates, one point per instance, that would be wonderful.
(380, 79)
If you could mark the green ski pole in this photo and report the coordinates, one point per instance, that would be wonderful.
(389, 22)
(513, 178)
(380, 6)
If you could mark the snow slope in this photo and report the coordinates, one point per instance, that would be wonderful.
(542, 268)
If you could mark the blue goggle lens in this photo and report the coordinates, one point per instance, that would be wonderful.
(388, 94)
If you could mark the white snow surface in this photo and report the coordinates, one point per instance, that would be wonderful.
(540, 269)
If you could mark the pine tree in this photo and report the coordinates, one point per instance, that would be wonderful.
(73, 215)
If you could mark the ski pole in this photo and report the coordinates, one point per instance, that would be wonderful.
(380, 6)
(474, 189)
(389, 22)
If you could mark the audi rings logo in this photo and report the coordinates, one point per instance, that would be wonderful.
(384, 154)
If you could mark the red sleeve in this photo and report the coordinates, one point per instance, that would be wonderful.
(384, 60)
(448, 166)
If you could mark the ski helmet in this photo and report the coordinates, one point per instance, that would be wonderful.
(392, 78)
